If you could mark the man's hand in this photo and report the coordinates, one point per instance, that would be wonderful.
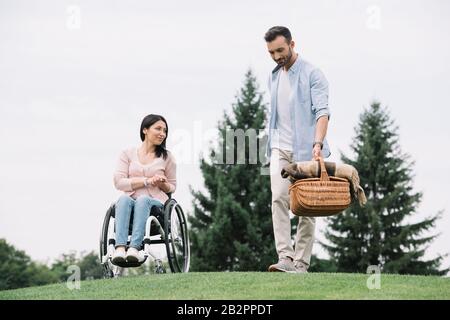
(316, 152)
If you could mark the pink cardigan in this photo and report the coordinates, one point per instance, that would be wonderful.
(129, 167)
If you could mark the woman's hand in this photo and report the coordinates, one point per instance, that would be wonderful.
(157, 180)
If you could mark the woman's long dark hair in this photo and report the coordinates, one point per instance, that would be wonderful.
(147, 122)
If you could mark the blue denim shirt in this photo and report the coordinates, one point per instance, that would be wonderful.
(308, 102)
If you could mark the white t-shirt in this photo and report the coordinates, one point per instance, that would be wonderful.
(283, 117)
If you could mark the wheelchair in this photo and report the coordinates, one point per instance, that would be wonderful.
(165, 226)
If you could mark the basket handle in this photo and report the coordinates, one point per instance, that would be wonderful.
(323, 172)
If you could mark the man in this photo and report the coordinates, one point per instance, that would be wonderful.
(297, 127)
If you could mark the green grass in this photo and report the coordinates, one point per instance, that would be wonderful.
(244, 285)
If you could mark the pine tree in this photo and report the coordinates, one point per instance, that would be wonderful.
(379, 233)
(231, 225)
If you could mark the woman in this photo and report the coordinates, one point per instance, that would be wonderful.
(145, 174)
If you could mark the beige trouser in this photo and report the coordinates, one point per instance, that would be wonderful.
(304, 239)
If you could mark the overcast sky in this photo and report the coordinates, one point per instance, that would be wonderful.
(77, 77)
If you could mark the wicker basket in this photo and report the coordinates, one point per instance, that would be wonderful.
(318, 197)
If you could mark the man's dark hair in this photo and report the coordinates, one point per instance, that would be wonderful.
(276, 31)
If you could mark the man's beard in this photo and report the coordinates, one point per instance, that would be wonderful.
(285, 60)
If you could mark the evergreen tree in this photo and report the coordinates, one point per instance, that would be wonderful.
(378, 233)
(231, 225)
(321, 265)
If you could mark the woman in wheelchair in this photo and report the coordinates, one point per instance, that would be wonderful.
(145, 174)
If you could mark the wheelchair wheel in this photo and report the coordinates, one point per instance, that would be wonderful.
(104, 235)
(109, 270)
(176, 239)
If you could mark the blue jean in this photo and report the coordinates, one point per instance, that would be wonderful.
(142, 207)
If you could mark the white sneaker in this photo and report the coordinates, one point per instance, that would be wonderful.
(132, 255)
(118, 255)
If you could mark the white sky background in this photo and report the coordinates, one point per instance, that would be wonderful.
(72, 98)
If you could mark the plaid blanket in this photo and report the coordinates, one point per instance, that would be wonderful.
(311, 169)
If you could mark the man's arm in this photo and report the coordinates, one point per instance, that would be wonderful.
(319, 95)
(321, 132)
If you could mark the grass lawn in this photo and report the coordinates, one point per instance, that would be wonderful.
(244, 285)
